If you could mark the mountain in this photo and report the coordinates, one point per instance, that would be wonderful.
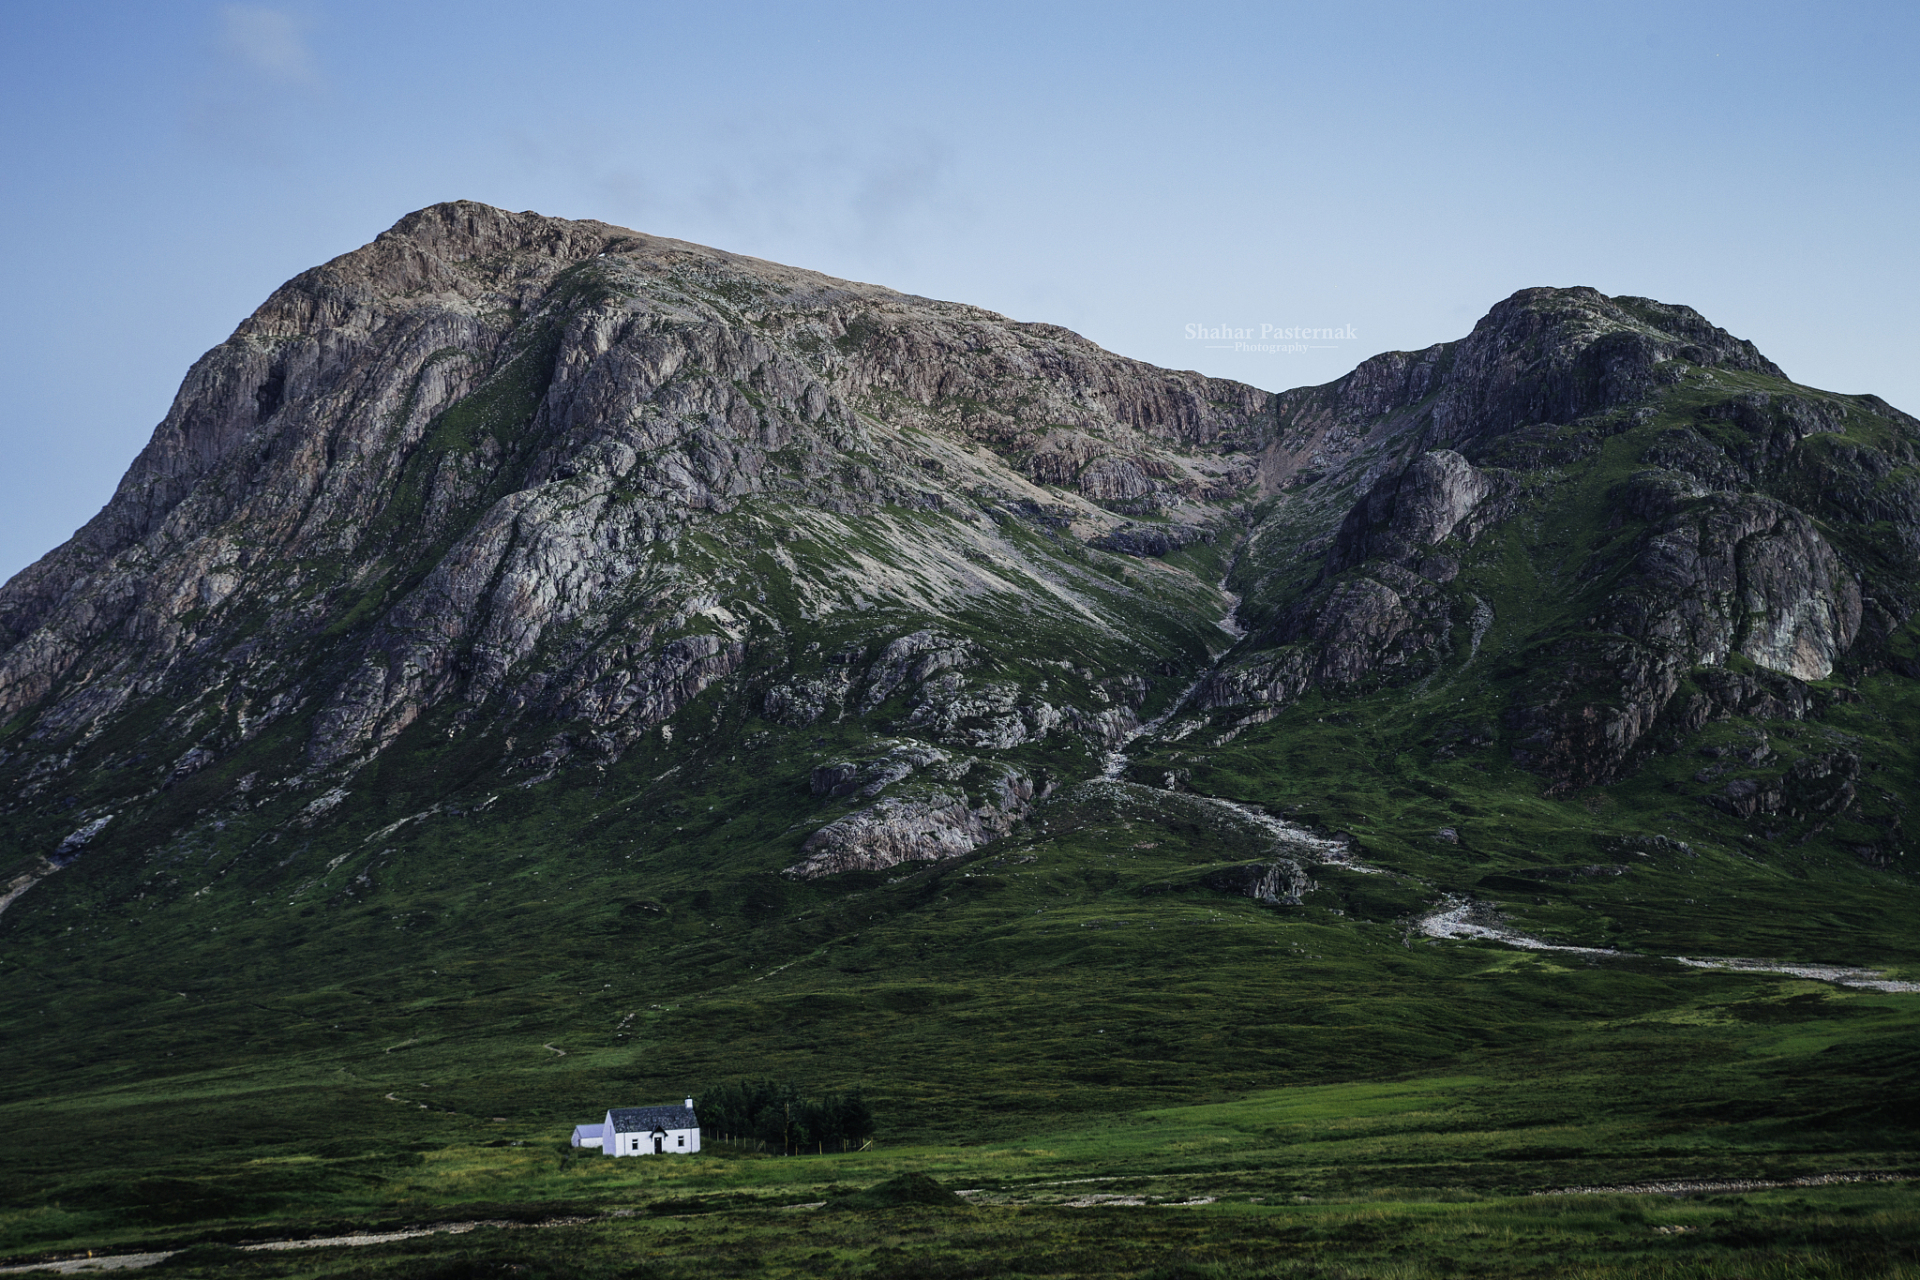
(527, 637)
(509, 480)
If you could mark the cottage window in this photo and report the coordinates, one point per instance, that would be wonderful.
(635, 1146)
(683, 1142)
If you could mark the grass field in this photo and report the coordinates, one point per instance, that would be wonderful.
(1418, 1178)
(1069, 1005)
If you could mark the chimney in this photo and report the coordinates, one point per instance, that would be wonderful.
(689, 1104)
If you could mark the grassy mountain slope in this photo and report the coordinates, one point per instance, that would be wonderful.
(538, 667)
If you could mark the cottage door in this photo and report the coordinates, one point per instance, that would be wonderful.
(659, 1144)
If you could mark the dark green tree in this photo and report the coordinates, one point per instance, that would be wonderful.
(782, 1119)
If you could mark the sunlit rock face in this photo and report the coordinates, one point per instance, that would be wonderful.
(486, 429)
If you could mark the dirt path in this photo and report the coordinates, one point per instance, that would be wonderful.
(1313, 848)
(1872, 979)
(1695, 1187)
(113, 1262)
(1456, 917)
(25, 881)
(1084, 1200)
(135, 1261)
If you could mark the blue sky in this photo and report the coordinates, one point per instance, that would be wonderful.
(1124, 170)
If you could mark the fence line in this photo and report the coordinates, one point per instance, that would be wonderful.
(739, 1143)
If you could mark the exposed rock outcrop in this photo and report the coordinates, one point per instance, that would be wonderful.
(1765, 529)
(1438, 494)
(1745, 575)
(1540, 356)
(871, 777)
(1729, 575)
(1814, 786)
(911, 660)
(1272, 883)
(1151, 539)
(930, 828)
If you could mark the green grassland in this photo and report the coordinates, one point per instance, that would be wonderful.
(232, 1022)
(1067, 1004)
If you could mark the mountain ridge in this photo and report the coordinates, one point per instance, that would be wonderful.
(468, 434)
(237, 378)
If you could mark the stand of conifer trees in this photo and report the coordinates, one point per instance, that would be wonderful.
(781, 1119)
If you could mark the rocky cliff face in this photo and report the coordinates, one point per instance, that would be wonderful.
(529, 491)
(551, 480)
(1729, 517)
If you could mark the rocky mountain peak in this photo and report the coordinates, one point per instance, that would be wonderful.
(535, 488)
(1542, 355)
(418, 466)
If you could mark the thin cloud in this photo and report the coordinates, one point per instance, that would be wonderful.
(901, 187)
(269, 42)
(874, 198)
(260, 92)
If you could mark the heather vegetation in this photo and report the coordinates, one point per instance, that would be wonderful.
(1057, 817)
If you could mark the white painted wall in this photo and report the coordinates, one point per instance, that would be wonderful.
(679, 1142)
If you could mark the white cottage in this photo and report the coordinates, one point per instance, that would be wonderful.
(643, 1131)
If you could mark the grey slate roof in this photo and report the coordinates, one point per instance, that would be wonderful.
(647, 1119)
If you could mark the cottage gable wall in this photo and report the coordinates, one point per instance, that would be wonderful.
(646, 1131)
